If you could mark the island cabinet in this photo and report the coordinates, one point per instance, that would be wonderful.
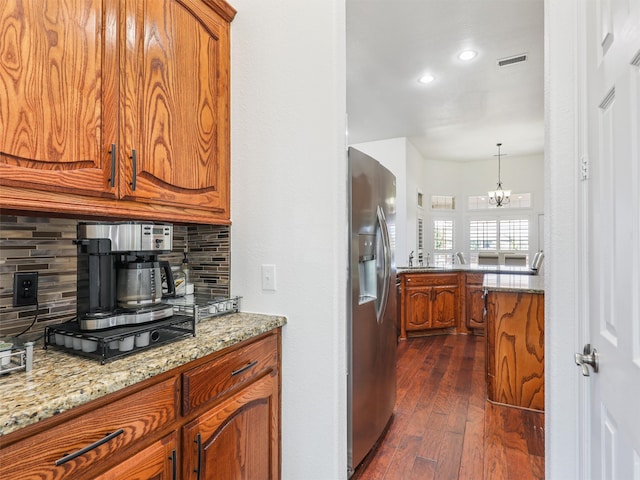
(474, 302)
(515, 348)
(430, 302)
(215, 417)
(116, 108)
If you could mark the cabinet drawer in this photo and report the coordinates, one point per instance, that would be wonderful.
(93, 440)
(475, 278)
(430, 279)
(213, 379)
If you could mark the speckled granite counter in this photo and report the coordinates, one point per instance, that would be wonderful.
(470, 269)
(60, 381)
(514, 283)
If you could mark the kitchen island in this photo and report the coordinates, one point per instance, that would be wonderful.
(515, 340)
(157, 409)
(436, 300)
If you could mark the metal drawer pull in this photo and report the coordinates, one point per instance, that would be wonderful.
(84, 450)
(198, 442)
(246, 367)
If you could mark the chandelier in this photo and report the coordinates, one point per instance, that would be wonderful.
(499, 197)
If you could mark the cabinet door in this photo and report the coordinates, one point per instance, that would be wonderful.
(475, 307)
(176, 105)
(417, 308)
(57, 70)
(158, 462)
(444, 306)
(238, 439)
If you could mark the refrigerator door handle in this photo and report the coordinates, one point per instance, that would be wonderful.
(386, 268)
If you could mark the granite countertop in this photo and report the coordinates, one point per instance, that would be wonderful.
(514, 270)
(514, 283)
(60, 381)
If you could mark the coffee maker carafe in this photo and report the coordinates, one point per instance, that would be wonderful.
(119, 274)
(139, 282)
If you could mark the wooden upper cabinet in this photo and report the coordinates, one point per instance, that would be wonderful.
(176, 105)
(56, 66)
(116, 108)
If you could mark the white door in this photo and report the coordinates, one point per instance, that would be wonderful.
(611, 295)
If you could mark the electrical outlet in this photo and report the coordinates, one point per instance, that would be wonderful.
(25, 289)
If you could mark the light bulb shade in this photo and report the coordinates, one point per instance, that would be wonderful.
(499, 197)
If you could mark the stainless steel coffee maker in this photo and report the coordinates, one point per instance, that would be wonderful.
(120, 278)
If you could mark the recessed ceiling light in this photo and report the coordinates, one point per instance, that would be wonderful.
(426, 78)
(467, 55)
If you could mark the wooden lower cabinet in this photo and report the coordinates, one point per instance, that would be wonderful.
(474, 302)
(515, 349)
(237, 439)
(429, 302)
(85, 443)
(227, 429)
(159, 461)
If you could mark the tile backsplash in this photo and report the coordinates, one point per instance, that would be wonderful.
(45, 245)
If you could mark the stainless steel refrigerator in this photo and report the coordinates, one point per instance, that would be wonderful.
(372, 312)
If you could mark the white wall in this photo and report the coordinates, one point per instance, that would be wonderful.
(289, 208)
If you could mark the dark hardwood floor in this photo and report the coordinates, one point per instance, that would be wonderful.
(444, 428)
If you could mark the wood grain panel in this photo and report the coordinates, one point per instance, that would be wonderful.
(243, 430)
(211, 380)
(498, 442)
(153, 463)
(417, 315)
(515, 341)
(177, 107)
(137, 415)
(444, 306)
(55, 71)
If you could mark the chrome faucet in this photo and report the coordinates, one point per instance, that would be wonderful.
(411, 259)
(428, 259)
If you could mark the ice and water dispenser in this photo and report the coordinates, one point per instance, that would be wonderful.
(367, 268)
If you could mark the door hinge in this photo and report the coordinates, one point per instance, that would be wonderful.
(584, 168)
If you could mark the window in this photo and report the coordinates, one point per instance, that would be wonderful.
(443, 202)
(498, 237)
(483, 235)
(443, 234)
(420, 239)
(514, 235)
(442, 242)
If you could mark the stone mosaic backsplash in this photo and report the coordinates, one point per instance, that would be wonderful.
(45, 245)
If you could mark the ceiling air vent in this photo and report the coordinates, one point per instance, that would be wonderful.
(503, 62)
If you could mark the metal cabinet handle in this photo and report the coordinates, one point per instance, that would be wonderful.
(84, 450)
(588, 358)
(112, 180)
(174, 465)
(198, 442)
(246, 367)
(134, 161)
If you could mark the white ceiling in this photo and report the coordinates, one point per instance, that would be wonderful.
(470, 106)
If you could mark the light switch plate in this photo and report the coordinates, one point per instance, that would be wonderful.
(269, 277)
